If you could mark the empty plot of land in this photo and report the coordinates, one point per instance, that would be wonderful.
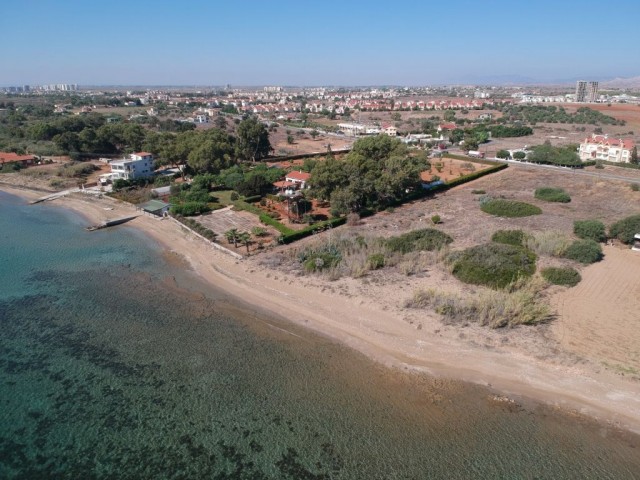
(600, 317)
(226, 219)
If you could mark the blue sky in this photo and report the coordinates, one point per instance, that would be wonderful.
(348, 42)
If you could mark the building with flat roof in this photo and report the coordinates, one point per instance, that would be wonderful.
(586, 91)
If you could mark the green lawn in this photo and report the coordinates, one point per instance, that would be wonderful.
(223, 196)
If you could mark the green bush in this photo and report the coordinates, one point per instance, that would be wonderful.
(584, 251)
(495, 265)
(552, 195)
(189, 209)
(424, 239)
(625, 229)
(478, 192)
(436, 219)
(590, 230)
(566, 276)
(509, 208)
(325, 257)
(475, 175)
(635, 187)
(508, 237)
(375, 261)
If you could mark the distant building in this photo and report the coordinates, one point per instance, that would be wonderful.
(601, 147)
(586, 91)
(139, 165)
(11, 157)
(389, 129)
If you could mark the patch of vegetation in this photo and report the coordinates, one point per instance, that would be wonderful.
(76, 169)
(492, 308)
(553, 114)
(494, 265)
(435, 219)
(428, 239)
(478, 192)
(584, 251)
(565, 276)
(509, 208)
(590, 230)
(375, 261)
(509, 237)
(548, 242)
(197, 227)
(547, 154)
(625, 229)
(322, 258)
(549, 194)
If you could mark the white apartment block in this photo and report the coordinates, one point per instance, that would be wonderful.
(138, 165)
(601, 147)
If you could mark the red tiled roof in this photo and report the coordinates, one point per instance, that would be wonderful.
(610, 142)
(143, 154)
(301, 176)
(448, 126)
(8, 157)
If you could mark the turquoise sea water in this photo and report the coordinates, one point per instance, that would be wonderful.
(117, 363)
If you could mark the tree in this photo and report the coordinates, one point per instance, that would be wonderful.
(519, 155)
(449, 115)
(211, 151)
(245, 239)
(314, 133)
(503, 154)
(252, 140)
(634, 155)
(290, 139)
(220, 122)
(232, 236)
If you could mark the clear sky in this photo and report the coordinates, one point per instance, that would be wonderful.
(308, 42)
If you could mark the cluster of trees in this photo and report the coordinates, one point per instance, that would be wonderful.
(548, 154)
(533, 114)
(377, 172)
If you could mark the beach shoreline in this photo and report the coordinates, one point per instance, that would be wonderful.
(372, 328)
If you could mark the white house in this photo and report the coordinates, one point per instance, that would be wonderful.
(601, 147)
(389, 129)
(300, 179)
(139, 165)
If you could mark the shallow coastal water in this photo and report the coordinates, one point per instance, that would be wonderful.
(115, 362)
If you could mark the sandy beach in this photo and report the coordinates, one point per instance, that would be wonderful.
(375, 323)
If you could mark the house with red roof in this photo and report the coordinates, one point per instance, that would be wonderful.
(601, 147)
(447, 126)
(11, 157)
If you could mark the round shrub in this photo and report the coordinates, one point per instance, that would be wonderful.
(590, 230)
(508, 237)
(495, 265)
(436, 219)
(424, 239)
(584, 251)
(375, 261)
(552, 195)
(565, 276)
(509, 208)
(625, 229)
(320, 261)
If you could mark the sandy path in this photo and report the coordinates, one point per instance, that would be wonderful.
(600, 317)
(377, 327)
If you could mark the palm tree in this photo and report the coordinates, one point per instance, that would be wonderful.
(245, 239)
(232, 236)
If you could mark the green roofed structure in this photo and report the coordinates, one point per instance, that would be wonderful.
(154, 207)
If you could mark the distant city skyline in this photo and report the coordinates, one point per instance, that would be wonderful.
(140, 42)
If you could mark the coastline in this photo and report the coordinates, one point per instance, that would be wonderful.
(380, 332)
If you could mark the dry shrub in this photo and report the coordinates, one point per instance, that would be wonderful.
(550, 242)
(353, 219)
(492, 308)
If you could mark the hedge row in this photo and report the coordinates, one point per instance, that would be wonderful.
(264, 218)
(473, 176)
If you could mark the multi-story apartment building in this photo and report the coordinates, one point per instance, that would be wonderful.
(586, 91)
(139, 165)
(601, 147)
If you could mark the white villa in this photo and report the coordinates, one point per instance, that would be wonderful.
(601, 147)
(138, 165)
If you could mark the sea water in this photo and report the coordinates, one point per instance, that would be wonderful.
(116, 362)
